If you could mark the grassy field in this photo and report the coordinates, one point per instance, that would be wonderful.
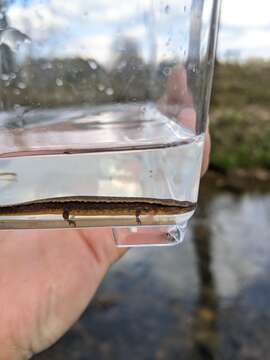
(240, 117)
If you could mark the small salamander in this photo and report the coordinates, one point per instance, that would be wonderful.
(98, 206)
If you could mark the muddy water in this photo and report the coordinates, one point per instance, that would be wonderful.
(206, 299)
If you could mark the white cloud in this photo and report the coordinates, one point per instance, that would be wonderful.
(251, 43)
(245, 29)
(37, 20)
(79, 28)
(83, 27)
(88, 47)
(137, 31)
(244, 13)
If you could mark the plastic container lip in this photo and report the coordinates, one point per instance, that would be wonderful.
(149, 236)
(124, 232)
(57, 221)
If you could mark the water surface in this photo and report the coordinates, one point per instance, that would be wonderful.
(205, 299)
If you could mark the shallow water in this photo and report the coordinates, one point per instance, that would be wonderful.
(205, 299)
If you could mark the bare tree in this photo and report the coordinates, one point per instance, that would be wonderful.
(6, 57)
(129, 72)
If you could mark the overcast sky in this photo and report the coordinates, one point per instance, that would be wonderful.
(245, 28)
(59, 26)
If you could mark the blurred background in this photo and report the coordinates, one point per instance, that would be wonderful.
(207, 298)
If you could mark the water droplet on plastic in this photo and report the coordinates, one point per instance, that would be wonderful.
(92, 64)
(19, 110)
(46, 66)
(59, 82)
(13, 38)
(27, 40)
(101, 87)
(185, 8)
(143, 109)
(168, 42)
(13, 76)
(109, 91)
(167, 9)
(1, 16)
(192, 67)
(166, 71)
(5, 77)
(21, 85)
(121, 65)
(85, 13)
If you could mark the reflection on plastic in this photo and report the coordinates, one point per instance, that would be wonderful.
(148, 236)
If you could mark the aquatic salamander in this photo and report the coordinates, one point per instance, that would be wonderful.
(98, 206)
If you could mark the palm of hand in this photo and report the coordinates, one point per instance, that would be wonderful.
(47, 278)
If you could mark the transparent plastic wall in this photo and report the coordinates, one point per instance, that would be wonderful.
(103, 113)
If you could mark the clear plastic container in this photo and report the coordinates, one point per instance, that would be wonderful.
(103, 114)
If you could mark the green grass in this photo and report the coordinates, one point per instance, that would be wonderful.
(240, 117)
(238, 85)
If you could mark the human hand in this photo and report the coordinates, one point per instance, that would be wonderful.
(177, 103)
(48, 277)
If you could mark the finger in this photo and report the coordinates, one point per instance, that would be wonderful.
(206, 152)
(187, 117)
(100, 242)
(177, 95)
(177, 91)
